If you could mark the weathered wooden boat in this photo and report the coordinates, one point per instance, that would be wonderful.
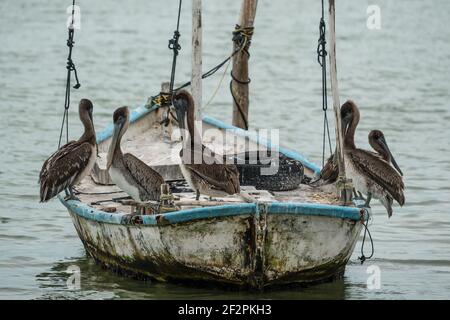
(285, 238)
(292, 234)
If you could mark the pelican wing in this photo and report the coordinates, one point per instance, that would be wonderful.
(330, 170)
(147, 178)
(380, 172)
(62, 168)
(218, 176)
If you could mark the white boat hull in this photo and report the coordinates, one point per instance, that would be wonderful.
(253, 250)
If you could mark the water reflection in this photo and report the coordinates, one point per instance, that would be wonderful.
(98, 283)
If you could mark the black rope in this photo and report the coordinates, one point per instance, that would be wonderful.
(165, 99)
(363, 258)
(242, 38)
(70, 67)
(321, 59)
(175, 47)
(241, 112)
(210, 72)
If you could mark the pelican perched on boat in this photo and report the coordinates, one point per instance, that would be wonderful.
(370, 174)
(329, 172)
(129, 173)
(71, 162)
(377, 141)
(205, 173)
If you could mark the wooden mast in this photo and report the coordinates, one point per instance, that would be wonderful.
(344, 186)
(196, 80)
(240, 68)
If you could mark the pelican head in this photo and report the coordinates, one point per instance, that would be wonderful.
(85, 109)
(183, 103)
(121, 121)
(349, 113)
(379, 144)
(349, 122)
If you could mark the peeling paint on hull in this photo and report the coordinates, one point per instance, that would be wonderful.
(259, 245)
(254, 251)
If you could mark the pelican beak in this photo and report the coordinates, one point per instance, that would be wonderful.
(90, 115)
(344, 123)
(114, 141)
(180, 109)
(384, 144)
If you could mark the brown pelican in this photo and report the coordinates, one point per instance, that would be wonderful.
(205, 174)
(370, 174)
(379, 144)
(129, 173)
(330, 170)
(72, 162)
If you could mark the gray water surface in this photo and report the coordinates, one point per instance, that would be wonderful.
(399, 76)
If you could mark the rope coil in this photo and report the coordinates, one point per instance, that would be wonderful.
(163, 99)
(363, 258)
(242, 36)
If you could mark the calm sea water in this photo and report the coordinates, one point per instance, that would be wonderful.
(399, 76)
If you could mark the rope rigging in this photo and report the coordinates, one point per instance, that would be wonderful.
(175, 47)
(363, 258)
(242, 37)
(321, 59)
(70, 67)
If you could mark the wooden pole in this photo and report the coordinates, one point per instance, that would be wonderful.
(240, 68)
(196, 80)
(344, 187)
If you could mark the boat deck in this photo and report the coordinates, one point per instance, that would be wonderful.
(110, 198)
(159, 146)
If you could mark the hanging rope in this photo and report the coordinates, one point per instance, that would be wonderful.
(321, 59)
(242, 37)
(218, 87)
(363, 258)
(165, 98)
(70, 67)
(175, 47)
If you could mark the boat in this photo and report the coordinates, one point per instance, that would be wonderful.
(299, 236)
(295, 235)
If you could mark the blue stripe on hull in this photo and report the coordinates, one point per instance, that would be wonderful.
(273, 208)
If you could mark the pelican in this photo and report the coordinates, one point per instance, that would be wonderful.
(370, 174)
(330, 170)
(210, 176)
(72, 162)
(129, 173)
(379, 144)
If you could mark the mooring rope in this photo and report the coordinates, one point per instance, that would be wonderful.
(321, 59)
(70, 67)
(363, 258)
